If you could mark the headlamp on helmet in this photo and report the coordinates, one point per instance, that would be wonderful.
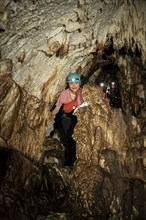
(73, 77)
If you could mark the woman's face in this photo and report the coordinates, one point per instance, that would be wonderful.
(74, 86)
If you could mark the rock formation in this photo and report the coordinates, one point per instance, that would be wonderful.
(40, 43)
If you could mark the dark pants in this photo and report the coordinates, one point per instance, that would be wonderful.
(68, 122)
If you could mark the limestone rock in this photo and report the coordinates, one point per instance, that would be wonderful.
(41, 42)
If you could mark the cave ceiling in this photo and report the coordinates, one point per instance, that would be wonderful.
(40, 43)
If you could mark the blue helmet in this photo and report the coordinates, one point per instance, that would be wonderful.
(73, 77)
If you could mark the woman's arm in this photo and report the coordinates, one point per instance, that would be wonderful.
(55, 110)
(59, 103)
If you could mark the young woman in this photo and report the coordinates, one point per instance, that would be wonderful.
(69, 99)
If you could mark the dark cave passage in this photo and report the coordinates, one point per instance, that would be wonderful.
(108, 81)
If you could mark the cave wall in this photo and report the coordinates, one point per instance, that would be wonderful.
(109, 174)
(54, 38)
(40, 43)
